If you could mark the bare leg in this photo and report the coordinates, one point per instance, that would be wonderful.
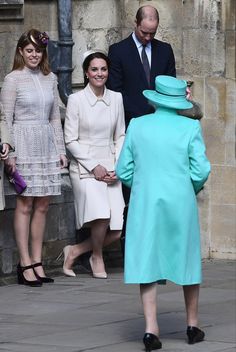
(86, 246)
(148, 297)
(191, 295)
(38, 223)
(21, 226)
(98, 233)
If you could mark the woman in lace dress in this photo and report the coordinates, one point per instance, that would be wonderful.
(94, 134)
(30, 100)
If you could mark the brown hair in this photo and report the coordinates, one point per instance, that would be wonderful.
(39, 41)
(89, 58)
(141, 14)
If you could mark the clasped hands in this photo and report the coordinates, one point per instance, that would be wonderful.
(101, 174)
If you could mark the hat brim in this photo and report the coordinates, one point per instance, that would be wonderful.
(172, 102)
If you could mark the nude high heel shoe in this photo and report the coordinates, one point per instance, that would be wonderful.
(102, 275)
(68, 272)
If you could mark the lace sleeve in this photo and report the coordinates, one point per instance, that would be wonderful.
(8, 99)
(55, 120)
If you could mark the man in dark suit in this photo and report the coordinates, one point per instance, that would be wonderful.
(128, 72)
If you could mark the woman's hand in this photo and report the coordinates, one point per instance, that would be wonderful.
(63, 161)
(10, 165)
(110, 178)
(99, 172)
(5, 151)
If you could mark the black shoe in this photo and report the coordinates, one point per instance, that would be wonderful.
(194, 335)
(44, 279)
(22, 280)
(151, 342)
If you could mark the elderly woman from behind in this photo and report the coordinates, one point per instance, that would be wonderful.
(94, 134)
(164, 163)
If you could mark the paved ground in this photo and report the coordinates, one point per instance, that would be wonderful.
(86, 314)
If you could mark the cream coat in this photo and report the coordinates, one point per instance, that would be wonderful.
(94, 134)
(5, 138)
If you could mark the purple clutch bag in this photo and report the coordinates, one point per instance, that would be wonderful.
(17, 181)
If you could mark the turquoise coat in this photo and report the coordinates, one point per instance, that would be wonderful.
(163, 161)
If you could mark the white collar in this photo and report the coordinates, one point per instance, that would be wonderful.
(93, 99)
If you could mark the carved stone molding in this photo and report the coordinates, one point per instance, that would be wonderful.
(11, 10)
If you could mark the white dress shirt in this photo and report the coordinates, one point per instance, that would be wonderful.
(139, 46)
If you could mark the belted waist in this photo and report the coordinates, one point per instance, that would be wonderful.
(97, 143)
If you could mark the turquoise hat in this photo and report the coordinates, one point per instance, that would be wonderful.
(170, 93)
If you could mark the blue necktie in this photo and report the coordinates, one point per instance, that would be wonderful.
(145, 62)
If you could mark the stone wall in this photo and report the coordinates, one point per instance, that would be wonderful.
(202, 34)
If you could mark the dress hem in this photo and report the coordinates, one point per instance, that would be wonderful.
(86, 224)
(195, 282)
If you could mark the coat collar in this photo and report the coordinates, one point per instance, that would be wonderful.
(92, 99)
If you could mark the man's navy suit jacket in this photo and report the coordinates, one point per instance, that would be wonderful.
(126, 73)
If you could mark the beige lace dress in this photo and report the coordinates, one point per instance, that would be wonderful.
(30, 101)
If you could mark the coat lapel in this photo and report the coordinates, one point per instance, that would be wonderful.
(154, 44)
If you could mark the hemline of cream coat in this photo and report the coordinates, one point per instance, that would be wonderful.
(94, 133)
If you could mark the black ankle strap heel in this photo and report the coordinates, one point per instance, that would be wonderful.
(22, 280)
(44, 279)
